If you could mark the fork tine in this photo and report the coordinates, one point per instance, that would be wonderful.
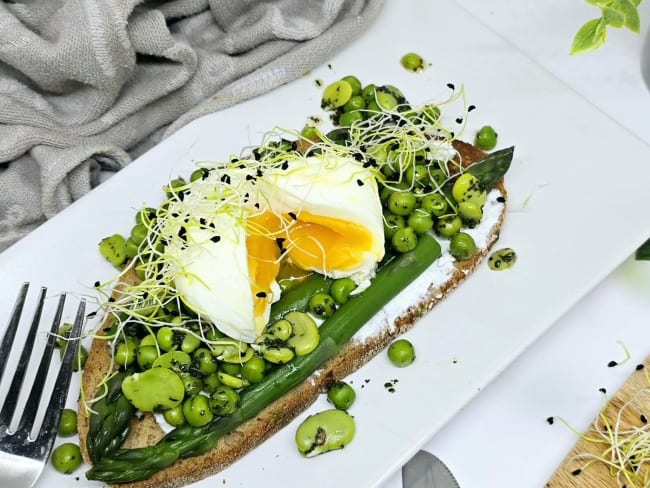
(19, 375)
(8, 339)
(59, 394)
(34, 399)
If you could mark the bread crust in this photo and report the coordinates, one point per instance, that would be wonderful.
(146, 431)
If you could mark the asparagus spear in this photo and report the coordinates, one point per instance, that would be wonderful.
(127, 465)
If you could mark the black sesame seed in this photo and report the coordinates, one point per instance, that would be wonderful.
(644, 419)
(576, 472)
(215, 238)
(111, 300)
(225, 179)
(203, 221)
(293, 216)
(360, 183)
(550, 420)
(602, 390)
(459, 120)
(97, 283)
(280, 242)
(611, 364)
(257, 205)
(261, 294)
(259, 173)
(501, 199)
(249, 177)
(285, 165)
(471, 107)
(639, 367)
(451, 86)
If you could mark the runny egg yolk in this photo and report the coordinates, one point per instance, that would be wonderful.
(327, 243)
(263, 264)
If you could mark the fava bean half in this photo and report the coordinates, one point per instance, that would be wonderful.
(325, 431)
(154, 389)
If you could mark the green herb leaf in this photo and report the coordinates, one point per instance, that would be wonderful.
(643, 253)
(490, 169)
(629, 10)
(613, 17)
(590, 36)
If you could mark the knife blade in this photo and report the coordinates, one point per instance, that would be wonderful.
(424, 470)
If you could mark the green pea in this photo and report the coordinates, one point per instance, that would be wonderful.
(336, 95)
(174, 416)
(125, 352)
(404, 240)
(486, 138)
(196, 411)
(322, 305)
(368, 93)
(385, 194)
(145, 215)
(199, 174)
(413, 62)
(462, 246)
(347, 119)
(203, 361)
(80, 359)
(66, 458)
(355, 103)
(148, 340)
(401, 353)
(253, 369)
(372, 108)
(468, 188)
(385, 100)
(305, 336)
(430, 114)
(417, 174)
(139, 233)
(448, 225)
(324, 431)
(392, 223)
(68, 423)
(154, 389)
(146, 356)
(231, 368)
(175, 187)
(355, 83)
(502, 259)
(131, 248)
(190, 343)
(341, 289)
(341, 395)
(402, 203)
(166, 339)
(280, 329)
(113, 248)
(274, 351)
(420, 221)
(223, 401)
(470, 213)
(192, 384)
(64, 332)
(435, 204)
(211, 382)
(437, 177)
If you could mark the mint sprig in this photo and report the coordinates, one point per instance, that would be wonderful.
(614, 13)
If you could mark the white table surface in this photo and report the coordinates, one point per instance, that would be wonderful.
(502, 438)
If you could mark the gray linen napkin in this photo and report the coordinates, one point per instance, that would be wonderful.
(91, 84)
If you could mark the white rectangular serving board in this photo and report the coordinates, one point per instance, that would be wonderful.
(578, 207)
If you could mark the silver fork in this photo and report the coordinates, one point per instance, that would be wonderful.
(22, 457)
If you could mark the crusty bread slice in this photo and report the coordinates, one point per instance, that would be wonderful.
(145, 431)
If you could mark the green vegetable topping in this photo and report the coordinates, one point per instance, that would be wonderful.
(66, 458)
(502, 259)
(486, 138)
(113, 248)
(336, 95)
(324, 431)
(341, 395)
(341, 290)
(68, 423)
(322, 305)
(401, 353)
(413, 62)
(462, 246)
(154, 389)
(197, 411)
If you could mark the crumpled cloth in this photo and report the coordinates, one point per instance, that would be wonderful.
(87, 85)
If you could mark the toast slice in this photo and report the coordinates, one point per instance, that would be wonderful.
(145, 430)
